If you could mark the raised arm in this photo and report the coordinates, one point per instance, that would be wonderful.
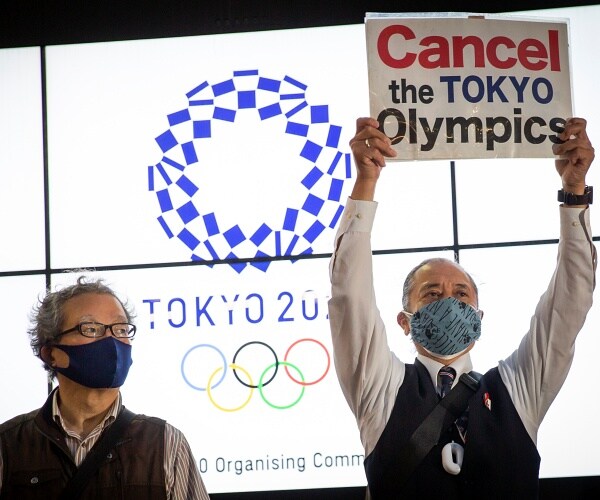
(536, 371)
(368, 372)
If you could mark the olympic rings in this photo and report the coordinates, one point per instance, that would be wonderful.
(261, 385)
(247, 380)
(187, 354)
(314, 381)
(208, 390)
(276, 364)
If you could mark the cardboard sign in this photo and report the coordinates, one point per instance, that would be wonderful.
(464, 86)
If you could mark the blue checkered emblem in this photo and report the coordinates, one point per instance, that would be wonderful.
(213, 111)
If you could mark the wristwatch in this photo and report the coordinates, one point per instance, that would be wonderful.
(577, 199)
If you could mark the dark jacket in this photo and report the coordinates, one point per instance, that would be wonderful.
(38, 463)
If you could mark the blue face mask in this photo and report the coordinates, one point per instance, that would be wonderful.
(98, 365)
(445, 327)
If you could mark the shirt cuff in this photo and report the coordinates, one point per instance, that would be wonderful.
(358, 216)
(574, 223)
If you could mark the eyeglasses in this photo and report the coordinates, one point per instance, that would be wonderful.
(95, 330)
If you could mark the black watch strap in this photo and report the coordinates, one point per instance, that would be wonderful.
(577, 199)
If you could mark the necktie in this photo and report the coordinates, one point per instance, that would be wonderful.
(446, 375)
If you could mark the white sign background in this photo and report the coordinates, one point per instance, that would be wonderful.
(514, 105)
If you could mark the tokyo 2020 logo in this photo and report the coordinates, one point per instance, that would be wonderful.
(198, 188)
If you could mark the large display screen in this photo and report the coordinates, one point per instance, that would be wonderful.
(203, 179)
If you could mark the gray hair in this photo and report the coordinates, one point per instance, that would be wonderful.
(409, 282)
(47, 315)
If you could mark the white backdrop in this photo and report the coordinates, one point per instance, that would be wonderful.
(107, 103)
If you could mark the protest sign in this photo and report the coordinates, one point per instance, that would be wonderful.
(468, 86)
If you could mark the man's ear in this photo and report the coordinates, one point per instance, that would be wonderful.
(404, 322)
(54, 357)
(46, 355)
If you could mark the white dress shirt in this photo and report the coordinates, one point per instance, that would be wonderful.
(370, 374)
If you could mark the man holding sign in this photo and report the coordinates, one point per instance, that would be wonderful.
(469, 448)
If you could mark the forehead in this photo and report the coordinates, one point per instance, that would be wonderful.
(442, 273)
(93, 305)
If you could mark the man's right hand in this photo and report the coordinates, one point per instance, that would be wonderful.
(369, 147)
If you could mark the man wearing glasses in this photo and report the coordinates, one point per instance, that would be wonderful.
(83, 335)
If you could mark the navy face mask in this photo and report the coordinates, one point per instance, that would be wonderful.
(98, 365)
(445, 327)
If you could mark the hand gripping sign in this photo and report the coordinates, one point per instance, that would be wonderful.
(462, 86)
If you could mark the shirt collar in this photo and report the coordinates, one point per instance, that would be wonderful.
(108, 419)
(463, 364)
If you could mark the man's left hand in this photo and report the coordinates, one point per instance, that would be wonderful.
(575, 155)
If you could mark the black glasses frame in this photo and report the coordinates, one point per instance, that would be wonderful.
(79, 328)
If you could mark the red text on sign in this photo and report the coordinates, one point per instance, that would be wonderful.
(435, 51)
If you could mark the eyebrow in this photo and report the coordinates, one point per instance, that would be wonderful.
(463, 285)
(90, 318)
(429, 286)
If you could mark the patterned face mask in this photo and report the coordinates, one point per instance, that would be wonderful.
(445, 327)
